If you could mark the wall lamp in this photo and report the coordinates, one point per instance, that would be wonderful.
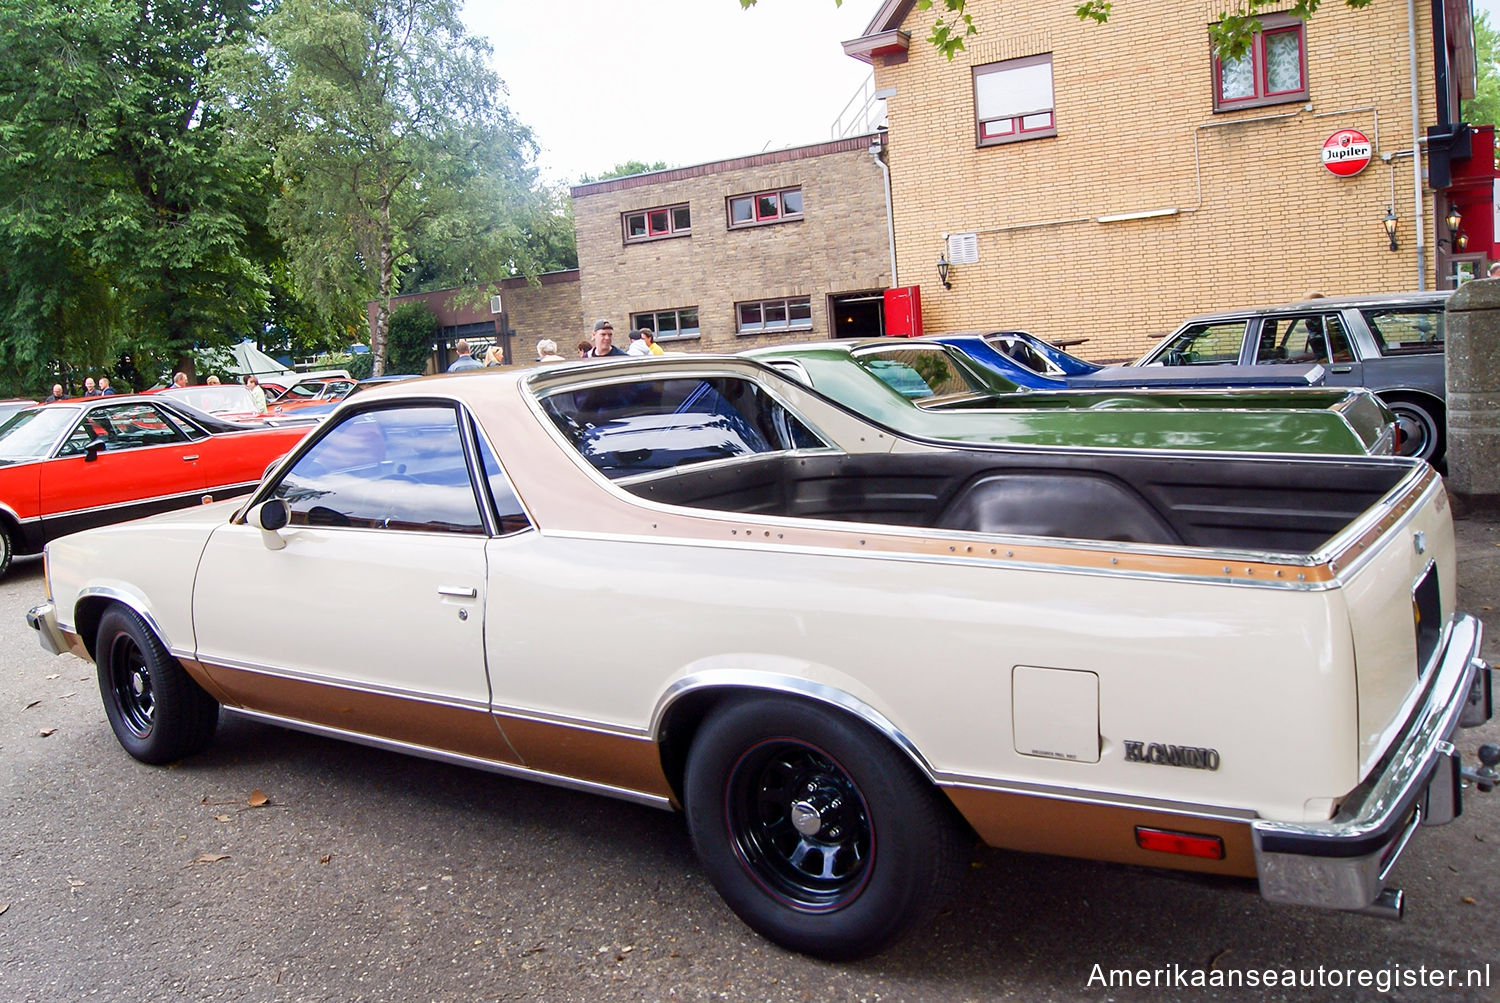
(1457, 239)
(943, 267)
(1390, 226)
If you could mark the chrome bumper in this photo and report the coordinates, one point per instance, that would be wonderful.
(1342, 863)
(43, 620)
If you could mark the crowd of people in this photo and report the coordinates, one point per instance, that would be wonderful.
(101, 388)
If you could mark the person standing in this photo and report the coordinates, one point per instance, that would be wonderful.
(104, 388)
(603, 341)
(648, 338)
(465, 360)
(257, 395)
(180, 380)
(494, 357)
(546, 351)
(637, 346)
(56, 394)
(89, 390)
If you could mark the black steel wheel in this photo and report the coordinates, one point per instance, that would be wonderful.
(817, 831)
(158, 713)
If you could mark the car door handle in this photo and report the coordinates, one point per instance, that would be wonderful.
(189, 459)
(458, 591)
(1343, 369)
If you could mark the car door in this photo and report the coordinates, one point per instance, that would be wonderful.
(1303, 338)
(118, 462)
(365, 614)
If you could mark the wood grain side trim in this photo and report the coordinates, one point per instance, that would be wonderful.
(627, 761)
(1096, 832)
(463, 730)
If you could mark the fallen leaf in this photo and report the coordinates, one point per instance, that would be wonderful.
(55, 675)
(4, 906)
(221, 818)
(66, 695)
(31, 705)
(210, 858)
(325, 858)
(1468, 900)
(75, 883)
(47, 731)
(258, 798)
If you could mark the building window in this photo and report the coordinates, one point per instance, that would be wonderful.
(653, 224)
(765, 207)
(1272, 70)
(669, 325)
(1013, 100)
(772, 316)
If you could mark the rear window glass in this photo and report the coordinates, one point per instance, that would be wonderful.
(918, 373)
(1406, 331)
(646, 425)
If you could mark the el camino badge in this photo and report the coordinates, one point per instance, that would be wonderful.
(1190, 757)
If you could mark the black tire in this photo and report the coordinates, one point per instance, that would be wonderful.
(157, 711)
(7, 549)
(878, 850)
(1421, 425)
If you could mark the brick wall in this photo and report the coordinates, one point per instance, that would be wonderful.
(1259, 219)
(840, 246)
(551, 309)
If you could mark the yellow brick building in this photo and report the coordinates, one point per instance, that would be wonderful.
(1107, 181)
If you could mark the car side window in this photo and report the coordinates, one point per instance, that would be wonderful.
(1303, 340)
(121, 426)
(1406, 331)
(1204, 345)
(400, 468)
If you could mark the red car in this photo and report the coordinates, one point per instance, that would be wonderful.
(86, 462)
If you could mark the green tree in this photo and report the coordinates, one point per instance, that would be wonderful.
(125, 217)
(414, 328)
(1231, 35)
(625, 170)
(391, 145)
(1484, 107)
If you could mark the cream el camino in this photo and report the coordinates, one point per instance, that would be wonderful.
(691, 582)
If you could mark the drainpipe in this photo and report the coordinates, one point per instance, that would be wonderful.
(1416, 132)
(877, 145)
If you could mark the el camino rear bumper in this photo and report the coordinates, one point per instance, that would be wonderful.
(1342, 863)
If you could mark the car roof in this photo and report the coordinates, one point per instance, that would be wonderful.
(1428, 298)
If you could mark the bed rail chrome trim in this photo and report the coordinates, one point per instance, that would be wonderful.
(457, 759)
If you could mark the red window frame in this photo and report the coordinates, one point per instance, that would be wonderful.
(667, 227)
(1018, 130)
(1271, 24)
(778, 214)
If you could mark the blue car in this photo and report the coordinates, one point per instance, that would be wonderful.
(1033, 364)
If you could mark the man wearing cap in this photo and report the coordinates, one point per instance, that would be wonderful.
(604, 340)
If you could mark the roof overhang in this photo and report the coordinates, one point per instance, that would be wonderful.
(882, 43)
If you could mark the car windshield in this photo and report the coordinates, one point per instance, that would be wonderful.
(225, 399)
(29, 435)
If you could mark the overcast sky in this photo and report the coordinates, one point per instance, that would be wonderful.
(683, 81)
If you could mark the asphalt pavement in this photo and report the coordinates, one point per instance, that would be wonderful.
(280, 866)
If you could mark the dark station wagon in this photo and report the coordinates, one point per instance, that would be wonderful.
(1391, 344)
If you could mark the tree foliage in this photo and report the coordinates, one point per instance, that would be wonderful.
(414, 328)
(624, 170)
(124, 214)
(392, 147)
(1231, 36)
(1484, 107)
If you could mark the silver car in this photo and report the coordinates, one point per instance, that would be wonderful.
(1390, 343)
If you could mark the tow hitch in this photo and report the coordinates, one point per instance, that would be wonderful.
(1485, 775)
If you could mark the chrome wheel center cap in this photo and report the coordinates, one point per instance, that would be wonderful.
(137, 683)
(806, 819)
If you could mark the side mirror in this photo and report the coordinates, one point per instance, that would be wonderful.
(271, 516)
(91, 451)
